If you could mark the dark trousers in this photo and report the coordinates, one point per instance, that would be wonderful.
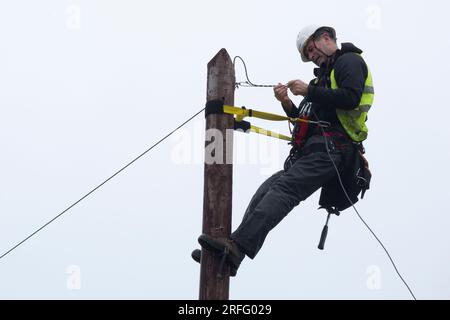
(284, 190)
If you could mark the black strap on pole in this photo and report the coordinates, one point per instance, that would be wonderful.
(214, 107)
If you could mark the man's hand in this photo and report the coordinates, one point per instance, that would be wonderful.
(298, 87)
(281, 94)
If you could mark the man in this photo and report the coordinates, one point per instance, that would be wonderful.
(339, 97)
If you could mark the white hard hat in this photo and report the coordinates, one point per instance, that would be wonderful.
(305, 35)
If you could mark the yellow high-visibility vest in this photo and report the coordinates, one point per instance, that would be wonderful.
(354, 121)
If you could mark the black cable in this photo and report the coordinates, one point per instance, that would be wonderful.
(246, 75)
(101, 184)
(353, 205)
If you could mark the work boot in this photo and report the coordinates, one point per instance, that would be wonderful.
(197, 254)
(226, 246)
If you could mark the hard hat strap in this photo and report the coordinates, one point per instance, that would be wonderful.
(326, 55)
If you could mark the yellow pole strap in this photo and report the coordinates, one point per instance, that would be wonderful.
(242, 113)
(269, 133)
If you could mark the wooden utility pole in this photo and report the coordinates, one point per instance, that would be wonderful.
(217, 198)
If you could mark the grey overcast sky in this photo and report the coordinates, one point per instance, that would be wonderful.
(85, 86)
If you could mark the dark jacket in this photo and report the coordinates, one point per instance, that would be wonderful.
(350, 72)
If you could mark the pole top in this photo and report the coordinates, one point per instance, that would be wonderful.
(222, 57)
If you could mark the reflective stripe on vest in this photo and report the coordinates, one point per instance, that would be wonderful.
(354, 121)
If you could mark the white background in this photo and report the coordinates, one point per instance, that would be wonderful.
(85, 86)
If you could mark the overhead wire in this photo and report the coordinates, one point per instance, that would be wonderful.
(248, 83)
(100, 185)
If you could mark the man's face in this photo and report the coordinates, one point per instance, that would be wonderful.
(319, 49)
(316, 49)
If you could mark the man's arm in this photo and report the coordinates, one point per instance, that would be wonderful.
(290, 109)
(350, 72)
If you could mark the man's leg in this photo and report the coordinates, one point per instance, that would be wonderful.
(305, 176)
(260, 193)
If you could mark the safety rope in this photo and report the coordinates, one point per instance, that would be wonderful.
(360, 217)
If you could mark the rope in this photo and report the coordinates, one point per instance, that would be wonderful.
(354, 208)
(99, 186)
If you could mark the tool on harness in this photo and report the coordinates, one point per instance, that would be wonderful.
(324, 234)
(360, 175)
(342, 192)
(356, 182)
(363, 174)
(300, 132)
